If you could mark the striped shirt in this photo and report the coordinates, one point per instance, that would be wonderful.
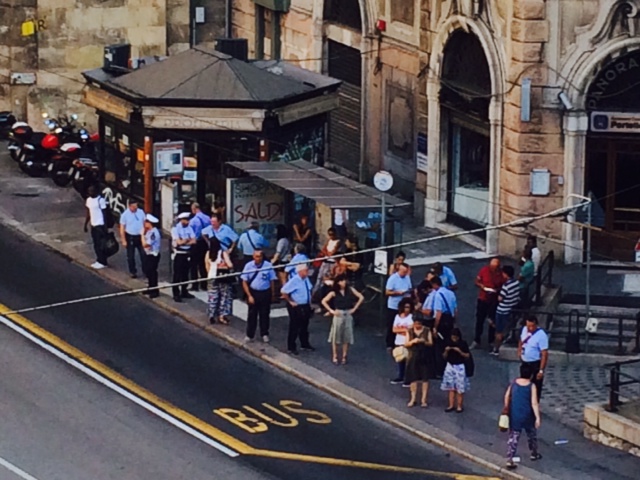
(510, 294)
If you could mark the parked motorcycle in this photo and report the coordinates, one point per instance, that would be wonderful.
(19, 133)
(86, 173)
(63, 165)
(6, 121)
(37, 153)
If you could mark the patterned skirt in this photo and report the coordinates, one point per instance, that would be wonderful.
(455, 378)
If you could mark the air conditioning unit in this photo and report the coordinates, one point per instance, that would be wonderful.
(235, 47)
(116, 57)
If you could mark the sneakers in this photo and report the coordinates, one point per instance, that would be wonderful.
(474, 346)
(187, 295)
(248, 339)
(406, 385)
(495, 352)
(396, 381)
(133, 275)
(308, 348)
(265, 339)
(292, 352)
(98, 266)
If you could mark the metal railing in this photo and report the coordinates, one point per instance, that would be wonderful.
(544, 277)
(616, 382)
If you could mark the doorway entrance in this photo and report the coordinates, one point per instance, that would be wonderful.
(613, 176)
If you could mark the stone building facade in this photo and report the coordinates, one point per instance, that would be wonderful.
(461, 101)
(71, 38)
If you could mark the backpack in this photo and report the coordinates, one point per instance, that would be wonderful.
(109, 219)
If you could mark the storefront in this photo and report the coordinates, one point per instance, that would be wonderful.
(171, 127)
(613, 156)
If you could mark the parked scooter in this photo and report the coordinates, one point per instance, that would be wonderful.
(6, 121)
(19, 133)
(62, 167)
(37, 152)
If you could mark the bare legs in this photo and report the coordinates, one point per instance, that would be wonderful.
(334, 351)
(413, 389)
(455, 399)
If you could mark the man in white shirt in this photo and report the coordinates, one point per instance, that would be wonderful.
(96, 205)
(536, 255)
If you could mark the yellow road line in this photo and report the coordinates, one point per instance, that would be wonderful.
(202, 426)
(115, 377)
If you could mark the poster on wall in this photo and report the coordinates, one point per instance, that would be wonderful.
(305, 144)
(168, 158)
(254, 200)
(421, 153)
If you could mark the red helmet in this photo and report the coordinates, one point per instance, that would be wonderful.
(50, 141)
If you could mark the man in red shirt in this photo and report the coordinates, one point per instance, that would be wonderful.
(489, 281)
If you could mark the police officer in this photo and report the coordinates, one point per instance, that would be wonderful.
(199, 221)
(151, 245)
(444, 309)
(183, 238)
(131, 224)
(258, 283)
(297, 294)
(251, 240)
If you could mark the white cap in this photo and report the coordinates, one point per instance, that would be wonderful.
(184, 216)
(151, 218)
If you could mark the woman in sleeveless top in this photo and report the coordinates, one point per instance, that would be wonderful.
(521, 404)
(220, 297)
(420, 367)
(342, 303)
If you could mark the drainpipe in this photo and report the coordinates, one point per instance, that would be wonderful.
(227, 18)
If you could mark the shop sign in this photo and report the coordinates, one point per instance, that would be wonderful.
(168, 158)
(615, 122)
(421, 155)
(251, 199)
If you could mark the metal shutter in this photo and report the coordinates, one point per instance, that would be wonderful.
(345, 122)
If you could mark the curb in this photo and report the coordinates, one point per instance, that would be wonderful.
(314, 377)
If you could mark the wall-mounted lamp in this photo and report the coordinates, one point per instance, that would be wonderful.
(566, 102)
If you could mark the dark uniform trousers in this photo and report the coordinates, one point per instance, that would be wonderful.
(134, 244)
(198, 267)
(150, 269)
(299, 317)
(260, 309)
(180, 272)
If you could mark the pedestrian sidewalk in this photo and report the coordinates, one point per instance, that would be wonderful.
(54, 217)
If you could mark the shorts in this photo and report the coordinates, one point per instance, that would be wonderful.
(502, 322)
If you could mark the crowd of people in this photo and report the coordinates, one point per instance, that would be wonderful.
(422, 332)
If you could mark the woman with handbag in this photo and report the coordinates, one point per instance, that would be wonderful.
(455, 380)
(420, 361)
(402, 323)
(220, 297)
(521, 406)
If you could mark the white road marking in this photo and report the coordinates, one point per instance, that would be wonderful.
(116, 388)
(19, 472)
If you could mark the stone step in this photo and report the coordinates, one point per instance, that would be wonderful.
(599, 310)
(596, 345)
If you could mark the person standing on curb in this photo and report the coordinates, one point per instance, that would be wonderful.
(444, 310)
(402, 323)
(508, 299)
(151, 244)
(489, 281)
(220, 298)
(299, 255)
(250, 241)
(199, 222)
(521, 404)
(398, 287)
(223, 232)
(533, 351)
(96, 206)
(420, 361)
(297, 294)
(183, 238)
(131, 224)
(258, 282)
(455, 380)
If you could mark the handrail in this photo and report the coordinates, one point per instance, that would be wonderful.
(543, 278)
(615, 383)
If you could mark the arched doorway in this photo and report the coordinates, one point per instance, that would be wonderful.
(613, 156)
(344, 62)
(465, 97)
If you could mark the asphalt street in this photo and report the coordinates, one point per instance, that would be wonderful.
(287, 429)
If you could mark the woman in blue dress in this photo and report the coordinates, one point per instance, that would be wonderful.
(521, 404)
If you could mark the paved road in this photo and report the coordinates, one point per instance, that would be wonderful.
(284, 428)
(58, 424)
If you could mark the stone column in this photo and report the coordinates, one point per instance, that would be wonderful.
(576, 125)
(495, 121)
(436, 196)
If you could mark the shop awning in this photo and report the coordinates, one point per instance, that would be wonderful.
(319, 184)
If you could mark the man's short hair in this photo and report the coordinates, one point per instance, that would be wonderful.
(217, 216)
(436, 280)
(195, 205)
(509, 270)
(406, 265)
(300, 248)
(301, 267)
(532, 318)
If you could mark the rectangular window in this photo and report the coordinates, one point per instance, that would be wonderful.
(403, 11)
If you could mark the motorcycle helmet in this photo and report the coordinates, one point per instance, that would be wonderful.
(50, 142)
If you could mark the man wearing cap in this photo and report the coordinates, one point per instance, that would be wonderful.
(151, 244)
(183, 238)
(131, 224)
(297, 294)
(258, 282)
(250, 241)
(199, 221)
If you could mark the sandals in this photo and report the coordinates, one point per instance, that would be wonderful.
(344, 360)
(424, 405)
(449, 409)
(412, 403)
(459, 410)
(335, 360)
(223, 321)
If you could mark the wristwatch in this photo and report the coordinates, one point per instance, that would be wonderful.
(541, 371)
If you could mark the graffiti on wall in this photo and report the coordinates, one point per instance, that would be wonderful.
(305, 145)
(115, 200)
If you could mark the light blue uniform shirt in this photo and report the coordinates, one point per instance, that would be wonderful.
(299, 290)
(444, 300)
(182, 233)
(428, 302)
(132, 221)
(199, 222)
(297, 259)
(261, 281)
(448, 277)
(532, 348)
(152, 239)
(250, 241)
(399, 284)
(225, 235)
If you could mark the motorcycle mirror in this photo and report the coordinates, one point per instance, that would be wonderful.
(74, 116)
